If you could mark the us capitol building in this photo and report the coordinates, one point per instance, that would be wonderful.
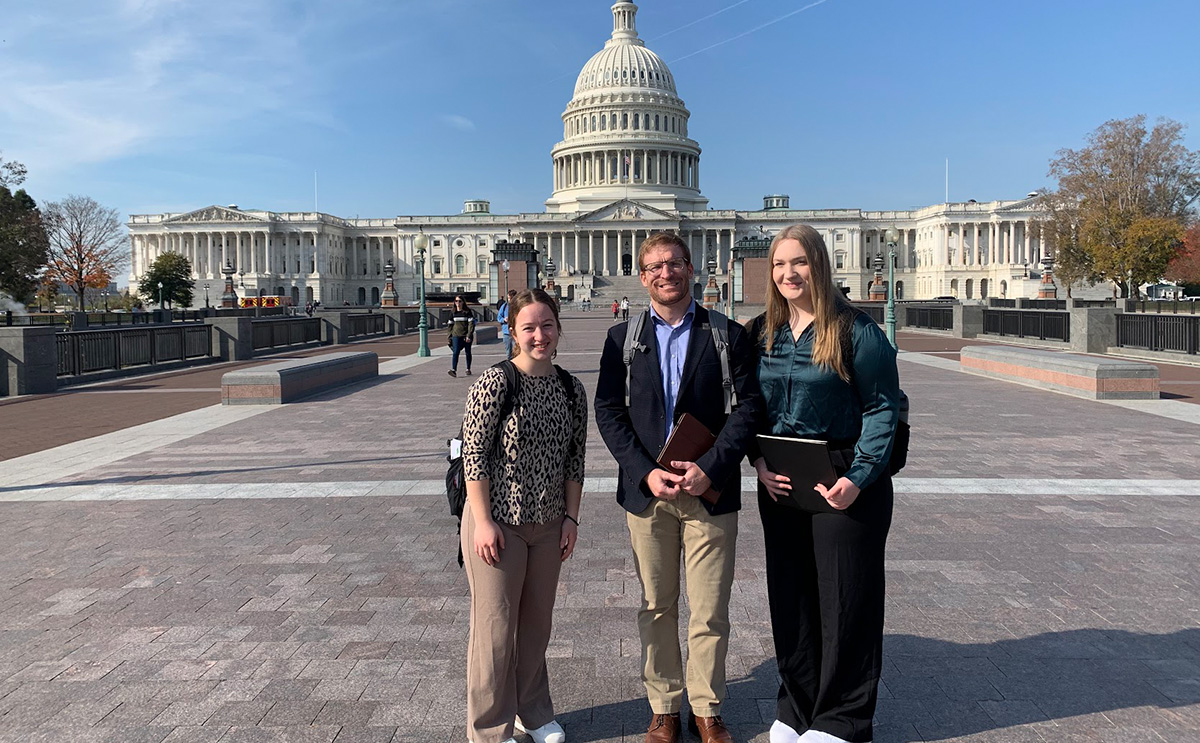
(624, 169)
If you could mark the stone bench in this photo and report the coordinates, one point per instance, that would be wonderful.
(288, 381)
(1082, 376)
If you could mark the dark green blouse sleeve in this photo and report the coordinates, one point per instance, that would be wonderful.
(877, 383)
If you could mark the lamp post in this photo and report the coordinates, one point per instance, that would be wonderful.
(229, 297)
(504, 266)
(889, 315)
(105, 295)
(711, 293)
(550, 268)
(206, 304)
(421, 242)
(160, 297)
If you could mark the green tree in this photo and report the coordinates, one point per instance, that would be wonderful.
(87, 244)
(23, 244)
(175, 273)
(1107, 219)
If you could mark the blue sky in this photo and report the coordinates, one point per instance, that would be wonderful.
(407, 107)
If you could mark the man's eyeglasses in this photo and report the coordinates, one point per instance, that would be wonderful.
(675, 265)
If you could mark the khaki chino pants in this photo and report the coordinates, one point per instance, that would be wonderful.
(512, 605)
(660, 534)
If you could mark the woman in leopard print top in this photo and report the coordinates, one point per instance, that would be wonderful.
(524, 477)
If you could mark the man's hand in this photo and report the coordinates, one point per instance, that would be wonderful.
(693, 481)
(841, 495)
(664, 484)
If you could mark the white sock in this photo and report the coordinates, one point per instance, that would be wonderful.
(782, 733)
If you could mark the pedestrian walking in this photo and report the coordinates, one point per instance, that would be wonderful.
(461, 334)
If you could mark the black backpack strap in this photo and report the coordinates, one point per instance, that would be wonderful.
(511, 389)
(567, 382)
(719, 324)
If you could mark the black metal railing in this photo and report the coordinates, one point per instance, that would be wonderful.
(1163, 306)
(1042, 304)
(88, 351)
(1176, 333)
(119, 319)
(931, 318)
(287, 331)
(42, 318)
(1077, 303)
(359, 326)
(1047, 325)
(874, 311)
(998, 302)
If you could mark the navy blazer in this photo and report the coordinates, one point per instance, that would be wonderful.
(635, 434)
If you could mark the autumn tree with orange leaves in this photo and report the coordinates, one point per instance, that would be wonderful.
(87, 244)
(1185, 266)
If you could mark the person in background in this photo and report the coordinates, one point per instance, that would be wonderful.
(502, 318)
(461, 334)
(616, 308)
(625, 309)
(826, 372)
(524, 478)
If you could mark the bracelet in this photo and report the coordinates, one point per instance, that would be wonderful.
(572, 518)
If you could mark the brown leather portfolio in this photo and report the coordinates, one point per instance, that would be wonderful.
(688, 442)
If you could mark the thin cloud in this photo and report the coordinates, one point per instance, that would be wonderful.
(455, 121)
(142, 75)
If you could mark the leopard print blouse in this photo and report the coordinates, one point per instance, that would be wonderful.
(541, 445)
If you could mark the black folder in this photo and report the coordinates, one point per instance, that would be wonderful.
(806, 462)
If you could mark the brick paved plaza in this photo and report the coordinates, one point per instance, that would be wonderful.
(186, 572)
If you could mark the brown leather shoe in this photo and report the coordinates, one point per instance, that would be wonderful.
(664, 729)
(709, 729)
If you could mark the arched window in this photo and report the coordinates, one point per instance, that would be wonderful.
(636, 121)
(460, 263)
(655, 122)
(593, 123)
(603, 122)
(624, 121)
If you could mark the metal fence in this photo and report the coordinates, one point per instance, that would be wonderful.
(1163, 306)
(1159, 332)
(932, 318)
(48, 318)
(88, 351)
(359, 326)
(288, 331)
(874, 311)
(1047, 325)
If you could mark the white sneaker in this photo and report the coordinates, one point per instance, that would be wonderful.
(816, 736)
(781, 732)
(551, 732)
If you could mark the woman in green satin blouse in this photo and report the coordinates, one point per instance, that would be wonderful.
(827, 372)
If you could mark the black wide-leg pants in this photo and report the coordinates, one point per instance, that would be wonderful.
(825, 584)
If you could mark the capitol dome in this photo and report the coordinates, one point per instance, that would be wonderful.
(625, 131)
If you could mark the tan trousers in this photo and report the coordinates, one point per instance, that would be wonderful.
(659, 535)
(512, 605)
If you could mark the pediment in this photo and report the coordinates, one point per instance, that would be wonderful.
(626, 210)
(216, 214)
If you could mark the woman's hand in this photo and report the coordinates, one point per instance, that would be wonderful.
(841, 495)
(489, 542)
(570, 535)
(775, 484)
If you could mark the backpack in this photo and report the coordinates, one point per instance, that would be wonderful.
(900, 439)
(456, 483)
(718, 323)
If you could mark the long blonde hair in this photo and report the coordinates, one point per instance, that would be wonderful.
(829, 305)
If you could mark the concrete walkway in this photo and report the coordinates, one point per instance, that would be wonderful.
(288, 573)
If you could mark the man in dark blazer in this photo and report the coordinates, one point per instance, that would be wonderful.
(675, 370)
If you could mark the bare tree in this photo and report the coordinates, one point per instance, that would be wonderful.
(12, 173)
(87, 244)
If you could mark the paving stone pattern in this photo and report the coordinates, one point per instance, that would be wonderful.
(1043, 616)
